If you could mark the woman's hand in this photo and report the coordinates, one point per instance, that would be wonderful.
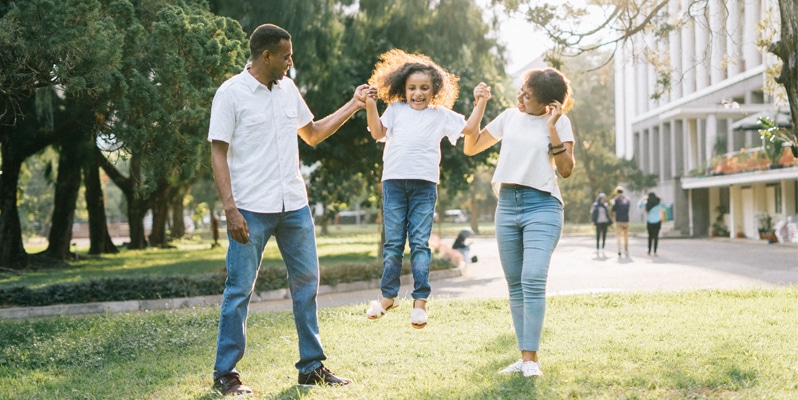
(482, 91)
(554, 110)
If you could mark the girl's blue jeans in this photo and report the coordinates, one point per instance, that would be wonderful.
(296, 239)
(528, 227)
(408, 209)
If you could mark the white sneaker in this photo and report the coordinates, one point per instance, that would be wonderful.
(513, 368)
(530, 369)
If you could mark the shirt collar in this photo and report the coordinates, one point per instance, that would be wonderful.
(253, 83)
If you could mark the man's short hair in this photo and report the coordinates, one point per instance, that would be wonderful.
(266, 37)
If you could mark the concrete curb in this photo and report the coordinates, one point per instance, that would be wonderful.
(110, 307)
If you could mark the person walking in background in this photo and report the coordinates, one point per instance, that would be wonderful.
(419, 94)
(600, 216)
(655, 212)
(256, 117)
(537, 146)
(620, 208)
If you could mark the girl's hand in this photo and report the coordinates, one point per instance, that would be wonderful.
(482, 91)
(372, 92)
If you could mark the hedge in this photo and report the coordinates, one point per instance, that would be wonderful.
(162, 287)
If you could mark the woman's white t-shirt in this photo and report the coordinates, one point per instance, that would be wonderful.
(413, 140)
(524, 158)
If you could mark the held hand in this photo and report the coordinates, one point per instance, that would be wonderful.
(360, 95)
(237, 226)
(482, 91)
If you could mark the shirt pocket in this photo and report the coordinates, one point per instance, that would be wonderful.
(291, 116)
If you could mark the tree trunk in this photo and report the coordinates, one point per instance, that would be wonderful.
(99, 240)
(160, 214)
(66, 194)
(19, 139)
(178, 226)
(325, 221)
(136, 210)
(785, 49)
(473, 213)
(136, 205)
(12, 252)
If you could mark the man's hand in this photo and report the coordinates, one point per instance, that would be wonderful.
(237, 226)
(362, 92)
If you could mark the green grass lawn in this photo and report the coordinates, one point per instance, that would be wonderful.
(687, 345)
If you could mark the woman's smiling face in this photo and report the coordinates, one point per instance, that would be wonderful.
(528, 103)
(418, 90)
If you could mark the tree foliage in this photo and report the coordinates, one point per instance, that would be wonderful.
(336, 45)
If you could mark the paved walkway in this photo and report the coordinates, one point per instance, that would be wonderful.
(682, 264)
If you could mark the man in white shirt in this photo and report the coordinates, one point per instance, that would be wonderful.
(255, 120)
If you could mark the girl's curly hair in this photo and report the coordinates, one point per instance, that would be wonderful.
(391, 72)
(549, 85)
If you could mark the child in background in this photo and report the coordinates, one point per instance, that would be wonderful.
(419, 94)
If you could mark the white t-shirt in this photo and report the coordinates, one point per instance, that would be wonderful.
(261, 127)
(524, 158)
(413, 140)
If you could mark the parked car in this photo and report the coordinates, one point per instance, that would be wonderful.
(455, 216)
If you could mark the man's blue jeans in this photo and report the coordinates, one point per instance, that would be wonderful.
(528, 227)
(296, 240)
(408, 206)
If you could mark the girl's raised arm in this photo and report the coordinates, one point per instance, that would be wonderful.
(378, 131)
(477, 141)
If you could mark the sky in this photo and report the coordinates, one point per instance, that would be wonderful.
(524, 43)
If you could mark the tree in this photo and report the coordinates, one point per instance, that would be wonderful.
(175, 56)
(70, 46)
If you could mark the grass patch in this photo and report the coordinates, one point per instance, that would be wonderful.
(187, 258)
(688, 345)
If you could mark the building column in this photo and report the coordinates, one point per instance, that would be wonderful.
(733, 39)
(752, 9)
(717, 40)
(666, 146)
(674, 43)
(711, 137)
(688, 54)
(702, 52)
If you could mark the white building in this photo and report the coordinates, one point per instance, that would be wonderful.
(717, 74)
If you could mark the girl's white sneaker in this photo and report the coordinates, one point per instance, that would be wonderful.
(531, 368)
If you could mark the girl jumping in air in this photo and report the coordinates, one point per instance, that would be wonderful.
(537, 146)
(419, 94)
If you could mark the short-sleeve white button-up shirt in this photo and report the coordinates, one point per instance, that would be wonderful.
(260, 126)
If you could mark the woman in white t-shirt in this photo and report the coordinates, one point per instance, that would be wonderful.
(419, 94)
(537, 145)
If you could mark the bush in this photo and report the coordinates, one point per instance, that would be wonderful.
(173, 286)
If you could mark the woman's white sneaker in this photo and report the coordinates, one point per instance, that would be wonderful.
(513, 368)
(531, 368)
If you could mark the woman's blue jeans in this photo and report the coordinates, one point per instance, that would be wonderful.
(296, 239)
(408, 206)
(528, 227)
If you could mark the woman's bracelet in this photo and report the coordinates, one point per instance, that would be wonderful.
(559, 146)
(559, 152)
